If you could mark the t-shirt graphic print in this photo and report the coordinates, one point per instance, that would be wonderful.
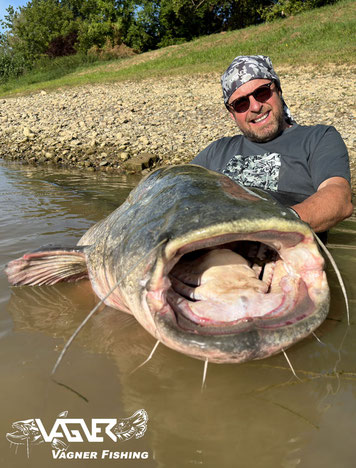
(260, 170)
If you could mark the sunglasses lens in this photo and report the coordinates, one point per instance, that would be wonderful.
(241, 105)
(261, 94)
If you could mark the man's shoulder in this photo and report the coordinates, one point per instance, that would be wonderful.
(227, 140)
(215, 155)
(309, 136)
(312, 129)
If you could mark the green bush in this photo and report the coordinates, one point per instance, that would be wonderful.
(12, 66)
(93, 34)
(61, 66)
(285, 8)
(43, 69)
(111, 51)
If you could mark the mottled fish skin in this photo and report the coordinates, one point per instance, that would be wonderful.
(184, 205)
(183, 212)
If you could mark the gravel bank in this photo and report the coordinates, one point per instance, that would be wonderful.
(119, 126)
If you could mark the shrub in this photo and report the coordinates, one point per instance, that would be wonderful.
(12, 66)
(111, 51)
(61, 46)
(285, 8)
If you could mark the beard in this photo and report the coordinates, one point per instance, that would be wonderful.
(271, 131)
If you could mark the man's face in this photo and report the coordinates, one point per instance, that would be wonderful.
(263, 121)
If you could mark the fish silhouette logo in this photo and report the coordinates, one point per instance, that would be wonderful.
(27, 433)
(135, 426)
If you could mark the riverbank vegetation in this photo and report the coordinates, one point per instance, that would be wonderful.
(82, 49)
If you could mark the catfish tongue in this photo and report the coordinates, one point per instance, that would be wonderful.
(223, 285)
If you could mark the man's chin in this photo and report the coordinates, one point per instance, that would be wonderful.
(264, 134)
(262, 137)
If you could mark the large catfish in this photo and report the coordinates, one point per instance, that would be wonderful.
(214, 270)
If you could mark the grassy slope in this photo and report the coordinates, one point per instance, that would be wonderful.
(316, 38)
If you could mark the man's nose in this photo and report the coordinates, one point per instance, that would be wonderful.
(255, 106)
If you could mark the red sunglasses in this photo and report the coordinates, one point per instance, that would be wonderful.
(261, 94)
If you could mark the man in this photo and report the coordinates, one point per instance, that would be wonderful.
(304, 167)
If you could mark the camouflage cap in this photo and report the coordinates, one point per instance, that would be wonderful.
(245, 68)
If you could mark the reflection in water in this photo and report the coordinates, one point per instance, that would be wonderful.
(255, 414)
(239, 402)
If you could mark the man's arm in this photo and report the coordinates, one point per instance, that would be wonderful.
(328, 206)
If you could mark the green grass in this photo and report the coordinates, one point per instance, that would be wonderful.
(316, 38)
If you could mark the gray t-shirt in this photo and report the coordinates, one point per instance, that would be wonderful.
(295, 163)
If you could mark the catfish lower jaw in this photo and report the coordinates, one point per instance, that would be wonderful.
(283, 314)
(293, 305)
(290, 310)
(247, 340)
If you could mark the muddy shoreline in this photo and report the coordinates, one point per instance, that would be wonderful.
(130, 126)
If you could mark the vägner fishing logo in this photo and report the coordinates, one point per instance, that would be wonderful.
(65, 430)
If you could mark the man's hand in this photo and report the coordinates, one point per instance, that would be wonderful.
(328, 206)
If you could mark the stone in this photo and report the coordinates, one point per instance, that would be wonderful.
(138, 164)
(124, 156)
(28, 132)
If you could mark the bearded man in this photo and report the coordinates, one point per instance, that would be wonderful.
(303, 167)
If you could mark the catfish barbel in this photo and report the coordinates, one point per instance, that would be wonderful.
(211, 269)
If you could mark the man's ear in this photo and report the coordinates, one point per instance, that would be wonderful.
(232, 115)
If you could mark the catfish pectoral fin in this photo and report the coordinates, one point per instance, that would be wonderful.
(48, 266)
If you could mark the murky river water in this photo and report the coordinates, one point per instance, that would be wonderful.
(256, 414)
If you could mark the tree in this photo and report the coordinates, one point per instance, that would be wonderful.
(31, 28)
(192, 18)
(143, 32)
(11, 64)
(101, 20)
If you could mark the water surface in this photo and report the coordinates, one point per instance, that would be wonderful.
(256, 414)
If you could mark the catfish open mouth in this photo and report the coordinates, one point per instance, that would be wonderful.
(231, 283)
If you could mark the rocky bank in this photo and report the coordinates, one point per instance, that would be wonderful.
(131, 126)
